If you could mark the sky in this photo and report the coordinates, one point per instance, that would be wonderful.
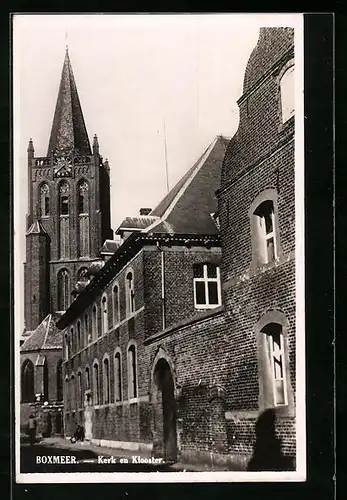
(133, 74)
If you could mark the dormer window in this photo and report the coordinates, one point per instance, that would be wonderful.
(207, 291)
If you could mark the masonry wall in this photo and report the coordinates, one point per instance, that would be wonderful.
(260, 157)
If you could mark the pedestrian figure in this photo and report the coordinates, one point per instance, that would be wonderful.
(32, 424)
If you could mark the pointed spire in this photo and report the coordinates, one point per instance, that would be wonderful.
(31, 146)
(68, 129)
(95, 145)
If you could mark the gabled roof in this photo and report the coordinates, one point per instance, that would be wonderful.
(46, 335)
(68, 128)
(187, 208)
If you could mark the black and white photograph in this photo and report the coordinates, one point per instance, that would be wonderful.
(158, 176)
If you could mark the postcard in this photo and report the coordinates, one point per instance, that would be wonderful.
(159, 247)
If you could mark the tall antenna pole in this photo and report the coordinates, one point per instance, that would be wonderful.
(166, 165)
(66, 42)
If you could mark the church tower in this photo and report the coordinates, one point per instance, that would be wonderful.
(68, 208)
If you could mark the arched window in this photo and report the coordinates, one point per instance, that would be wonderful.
(132, 371)
(64, 225)
(207, 290)
(87, 336)
(73, 391)
(80, 389)
(118, 376)
(106, 381)
(27, 379)
(129, 291)
(94, 322)
(264, 228)
(96, 384)
(45, 381)
(63, 290)
(104, 314)
(287, 88)
(87, 378)
(276, 359)
(79, 336)
(72, 340)
(66, 346)
(83, 216)
(60, 380)
(44, 200)
(115, 304)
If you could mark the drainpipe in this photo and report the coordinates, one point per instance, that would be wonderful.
(162, 286)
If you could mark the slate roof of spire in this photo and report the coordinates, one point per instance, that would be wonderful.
(46, 335)
(68, 129)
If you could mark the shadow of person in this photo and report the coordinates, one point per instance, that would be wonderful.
(267, 452)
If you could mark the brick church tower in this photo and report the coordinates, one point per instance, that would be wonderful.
(68, 208)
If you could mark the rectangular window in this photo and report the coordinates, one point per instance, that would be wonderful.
(207, 291)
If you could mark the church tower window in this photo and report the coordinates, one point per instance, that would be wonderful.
(83, 216)
(44, 200)
(64, 225)
(63, 290)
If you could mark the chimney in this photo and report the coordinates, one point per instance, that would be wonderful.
(145, 211)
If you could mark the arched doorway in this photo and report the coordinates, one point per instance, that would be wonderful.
(164, 412)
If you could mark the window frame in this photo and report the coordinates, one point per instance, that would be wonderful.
(95, 329)
(43, 197)
(120, 384)
(130, 305)
(116, 317)
(132, 397)
(96, 383)
(266, 365)
(206, 280)
(258, 240)
(106, 381)
(104, 314)
(288, 67)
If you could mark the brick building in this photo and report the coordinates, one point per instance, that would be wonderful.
(68, 220)
(183, 341)
(122, 372)
(190, 346)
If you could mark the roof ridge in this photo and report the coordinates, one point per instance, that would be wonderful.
(47, 329)
(200, 162)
